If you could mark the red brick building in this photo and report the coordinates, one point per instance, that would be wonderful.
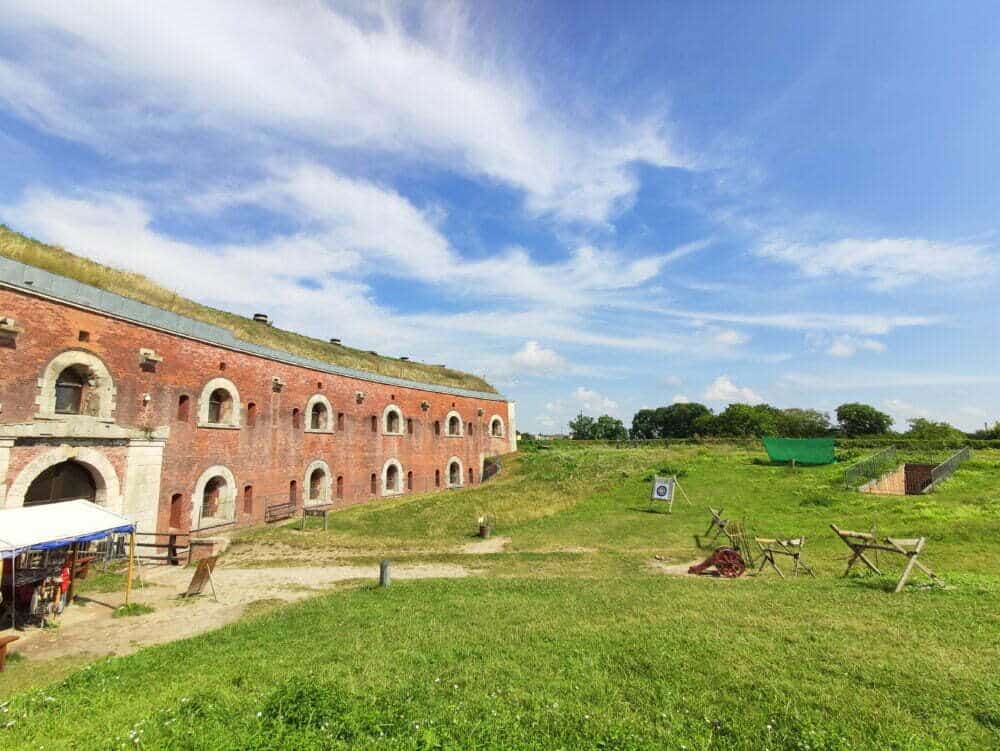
(178, 424)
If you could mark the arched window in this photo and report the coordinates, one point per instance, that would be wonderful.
(183, 408)
(374, 483)
(220, 407)
(70, 385)
(213, 502)
(317, 482)
(319, 417)
(454, 474)
(437, 478)
(340, 486)
(392, 420)
(409, 480)
(453, 426)
(392, 479)
(496, 427)
(211, 498)
(66, 481)
(251, 414)
(472, 477)
(293, 493)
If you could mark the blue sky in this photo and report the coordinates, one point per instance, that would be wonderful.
(598, 206)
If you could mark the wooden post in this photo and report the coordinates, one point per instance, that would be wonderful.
(383, 574)
(131, 558)
(72, 572)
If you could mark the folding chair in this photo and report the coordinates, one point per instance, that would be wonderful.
(792, 548)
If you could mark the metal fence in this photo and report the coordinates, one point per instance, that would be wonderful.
(870, 468)
(945, 469)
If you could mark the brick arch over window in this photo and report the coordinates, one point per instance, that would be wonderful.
(453, 472)
(231, 416)
(496, 427)
(108, 490)
(453, 424)
(225, 508)
(319, 406)
(392, 420)
(392, 477)
(97, 387)
(317, 494)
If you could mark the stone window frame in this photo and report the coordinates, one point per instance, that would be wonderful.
(447, 473)
(326, 492)
(385, 420)
(503, 428)
(447, 425)
(236, 413)
(198, 496)
(399, 490)
(104, 386)
(105, 476)
(331, 416)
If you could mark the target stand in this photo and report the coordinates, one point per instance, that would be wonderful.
(664, 490)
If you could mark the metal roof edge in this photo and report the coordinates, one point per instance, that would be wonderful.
(32, 280)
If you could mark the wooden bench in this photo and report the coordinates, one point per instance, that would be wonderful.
(278, 512)
(322, 510)
(861, 543)
(5, 641)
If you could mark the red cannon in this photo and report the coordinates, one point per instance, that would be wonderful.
(727, 562)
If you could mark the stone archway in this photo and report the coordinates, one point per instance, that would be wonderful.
(66, 481)
(107, 490)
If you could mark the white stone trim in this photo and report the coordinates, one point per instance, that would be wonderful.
(503, 428)
(105, 478)
(199, 492)
(331, 416)
(385, 420)
(447, 425)
(104, 386)
(447, 473)
(386, 490)
(206, 392)
(325, 492)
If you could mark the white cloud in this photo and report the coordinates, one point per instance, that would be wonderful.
(722, 389)
(680, 399)
(534, 358)
(886, 263)
(377, 77)
(730, 338)
(594, 402)
(848, 346)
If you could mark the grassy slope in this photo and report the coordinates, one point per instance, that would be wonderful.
(137, 287)
(589, 650)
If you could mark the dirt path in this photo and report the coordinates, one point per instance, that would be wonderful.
(88, 628)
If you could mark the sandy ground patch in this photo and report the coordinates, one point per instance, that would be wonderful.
(89, 628)
(673, 569)
(490, 545)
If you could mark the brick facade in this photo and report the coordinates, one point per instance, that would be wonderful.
(146, 451)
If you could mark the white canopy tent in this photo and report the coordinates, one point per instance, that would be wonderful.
(55, 525)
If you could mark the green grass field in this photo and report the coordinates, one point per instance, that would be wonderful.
(571, 639)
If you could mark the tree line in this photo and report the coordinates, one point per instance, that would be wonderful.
(690, 419)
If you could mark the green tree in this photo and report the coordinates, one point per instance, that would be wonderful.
(608, 428)
(644, 424)
(803, 423)
(678, 420)
(582, 427)
(988, 434)
(862, 419)
(927, 430)
(739, 420)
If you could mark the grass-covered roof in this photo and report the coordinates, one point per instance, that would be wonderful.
(56, 260)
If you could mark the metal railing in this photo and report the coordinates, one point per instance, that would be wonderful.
(870, 468)
(946, 468)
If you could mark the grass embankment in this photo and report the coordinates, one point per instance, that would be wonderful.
(587, 649)
(137, 287)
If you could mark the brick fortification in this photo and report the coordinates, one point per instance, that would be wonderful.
(153, 419)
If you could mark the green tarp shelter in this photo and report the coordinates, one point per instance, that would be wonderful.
(800, 450)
